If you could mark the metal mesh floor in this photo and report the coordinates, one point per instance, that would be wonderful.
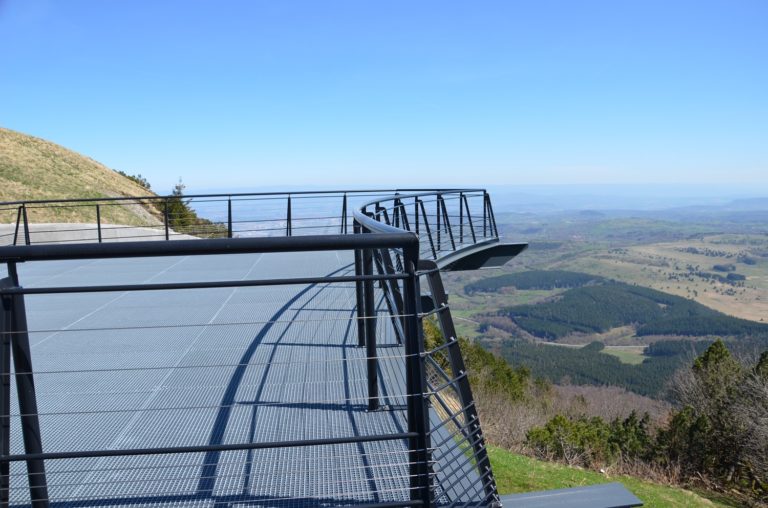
(213, 366)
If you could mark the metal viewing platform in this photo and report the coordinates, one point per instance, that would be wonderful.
(271, 355)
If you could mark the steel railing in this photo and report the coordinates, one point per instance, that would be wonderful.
(462, 220)
(442, 219)
(396, 237)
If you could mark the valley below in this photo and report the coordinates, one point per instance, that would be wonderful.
(628, 297)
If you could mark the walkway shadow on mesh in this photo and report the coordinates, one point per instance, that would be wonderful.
(208, 474)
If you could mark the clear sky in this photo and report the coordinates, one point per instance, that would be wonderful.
(395, 93)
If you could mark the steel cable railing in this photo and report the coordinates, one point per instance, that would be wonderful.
(235, 215)
(441, 236)
(47, 408)
(229, 415)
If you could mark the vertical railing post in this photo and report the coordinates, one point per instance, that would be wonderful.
(437, 227)
(13, 307)
(393, 297)
(485, 215)
(469, 220)
(166, 220)
(416, 213)
(404, 221)
(344, 216)
(447, 222)
(27, 239)
(98, 221)
(461, 217)
(288, 229)
(359, 290)
(5, 397)
(426, 227)
(492, 217)
(396, 213)
(415, 380)
(371, 354)
(18, 223)
(229, 216)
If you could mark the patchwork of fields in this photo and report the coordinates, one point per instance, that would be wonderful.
(714, 276)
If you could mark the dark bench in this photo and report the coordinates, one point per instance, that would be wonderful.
(608, 495)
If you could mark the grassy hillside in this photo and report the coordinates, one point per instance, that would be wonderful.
(34, 169)
(516, 473)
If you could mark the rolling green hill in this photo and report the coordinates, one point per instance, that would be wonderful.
(598, 308)
(35, 169)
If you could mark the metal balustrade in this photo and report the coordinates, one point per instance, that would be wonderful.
(308, 385)
(444, 220)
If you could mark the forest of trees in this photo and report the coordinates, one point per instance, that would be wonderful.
(717, 436)
(598, 308)
(589, 365)
(534, 279)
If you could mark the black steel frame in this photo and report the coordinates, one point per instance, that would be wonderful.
(379, 222)
(423, 221)
(386, 240)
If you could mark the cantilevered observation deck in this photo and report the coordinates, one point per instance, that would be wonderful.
(275, 360)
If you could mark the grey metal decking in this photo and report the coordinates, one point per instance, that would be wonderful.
(215, 366)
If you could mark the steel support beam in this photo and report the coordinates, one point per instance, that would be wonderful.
(415, 381)
(166, 220)
(27, 239)
(98, 221)
(18, 223)
(459, 371)
(372, 361)
(359, 290)
(229, 217)
(15, 322)
(5, 395)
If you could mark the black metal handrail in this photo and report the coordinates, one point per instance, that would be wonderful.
(15, 337)
(396, 237)
(220, 216)
(439, 234)
(406, 213)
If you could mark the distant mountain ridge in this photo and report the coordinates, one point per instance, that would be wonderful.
(35, 169)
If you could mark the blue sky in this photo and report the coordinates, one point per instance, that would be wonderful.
(331, 93)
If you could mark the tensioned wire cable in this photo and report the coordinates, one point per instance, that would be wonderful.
(307, 320)
(240, 475)
(232, 498)
(221, 365)
(243, 405)
(217, 365)
(197, 465)
(381, 314)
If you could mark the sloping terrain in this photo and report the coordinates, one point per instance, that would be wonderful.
(35, 169)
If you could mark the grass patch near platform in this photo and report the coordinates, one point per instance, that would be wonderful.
(517, 474)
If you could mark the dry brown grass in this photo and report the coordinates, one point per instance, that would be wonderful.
(506, 422)
(35, 169)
